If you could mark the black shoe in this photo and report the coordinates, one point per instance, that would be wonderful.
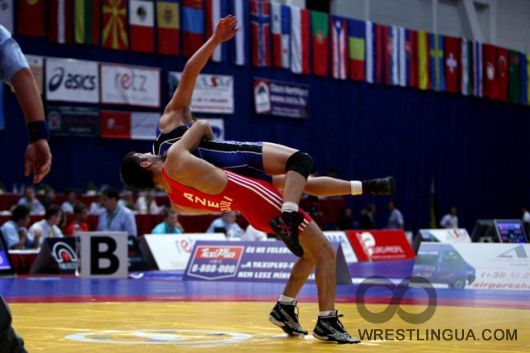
(330, 329)
(286, 228)
(5, 316)
(9, 341)
(380, 186)
(286, 317)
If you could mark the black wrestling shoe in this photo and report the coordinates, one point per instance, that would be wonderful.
(379, 186)
(285, 316)
(9, 341)
(286, 228)
(330, 329)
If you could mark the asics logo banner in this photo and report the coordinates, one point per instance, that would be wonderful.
(71, 81)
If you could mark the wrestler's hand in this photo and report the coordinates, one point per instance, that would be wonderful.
(226, 28)
(38, 160)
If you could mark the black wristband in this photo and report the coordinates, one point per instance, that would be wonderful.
(38, 130)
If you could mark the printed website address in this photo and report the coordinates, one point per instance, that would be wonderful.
(446, 334)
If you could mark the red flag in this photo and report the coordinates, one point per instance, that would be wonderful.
(502, 73)
(114, 35)
(61, 21)
(411, 57)
(30, 17)
(142, 25)
(380, 49)
(452, 48)
(490, 71)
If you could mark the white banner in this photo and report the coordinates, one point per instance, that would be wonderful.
(36, 65)
(340, 237)
(130, 85)
(172, 251)
(212, 93)
(459, 235)
(103, 254)
(72, 80)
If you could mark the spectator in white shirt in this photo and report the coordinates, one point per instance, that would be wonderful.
(47, 228)
(69, 202)
(450, 220)
(226, 224)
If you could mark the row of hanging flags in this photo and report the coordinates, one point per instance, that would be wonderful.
(282, 36)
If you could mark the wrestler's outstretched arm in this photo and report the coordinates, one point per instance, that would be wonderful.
(177, 111)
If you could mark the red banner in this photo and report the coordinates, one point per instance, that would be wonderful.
(378, 245)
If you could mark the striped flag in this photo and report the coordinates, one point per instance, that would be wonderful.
(192, 15)
(261, 25)
(370, 52)
(238, 43)
(60, 21)
(320, 45)
(437, 62)
(6, 14)
(466, 77)
(300, 39)
(215, 10)
(114, 35)
(87, 21)
(339, 47)
(281, 31)
(168, 22)
(477, 70)
(411, 58)
(357, 52)
(142, 25)
(424, 81)
(391, 58)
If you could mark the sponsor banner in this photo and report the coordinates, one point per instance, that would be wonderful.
(72, 80)
(36, 65)
(340, 237)
(73, 121)
(129, 125)
(378, 245)
(172, 251)
(212, 93)
(57, 255)
(252, 261)
(130, 85)
(218, 127)
(457, 235)
(278, 98)
(475, 265)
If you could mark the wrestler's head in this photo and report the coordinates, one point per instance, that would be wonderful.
(136, 170)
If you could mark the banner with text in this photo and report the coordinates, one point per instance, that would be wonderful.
(73, 121)
(212, 93)
(130, 85)
(254, 261)
(279, 98)
(475, 265)
(378, 245)
(129, 125)
(72, 80)
(456, 235)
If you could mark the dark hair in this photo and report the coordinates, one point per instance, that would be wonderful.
(51, 211)
(20, 212)
(79, 207)
(111, 193)
(168, 211)
(133, 175)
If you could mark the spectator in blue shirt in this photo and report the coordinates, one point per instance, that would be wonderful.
(29, 200)
(170, 225)
(115, 218)
(15, 230)
(395, 220)
(226, 224)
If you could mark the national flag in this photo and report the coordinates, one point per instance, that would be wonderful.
(410, 62)
(60, 21)
(6, 14)
(87, 21)
(168, 22)
(502, 73)
(437, 62)
(339, 47)
(466, 72)
(369, 71)
(452, 53)
(490, 71)
(320, 35)
(380, 50)
(239, 52)
(477, 69)
(192, 15)
(424, 77)
(30, 17)
(391, 59)
(114, 35)
(142, 25)
(514, 70)
(128, 125)
(281, 32)
(215, 10)
(261, 25)
(300, 41)
(357, 52)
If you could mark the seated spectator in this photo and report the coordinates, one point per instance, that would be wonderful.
(47, 227)
(79, 223)
(170, 225)
(146, 203)
(15, 230)
(366, 221)
(69, 202)
(252, 234)
(49, 196)
(95, 206)
(450, 220)
(29, 200)
(226, 224)
(115, 217)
